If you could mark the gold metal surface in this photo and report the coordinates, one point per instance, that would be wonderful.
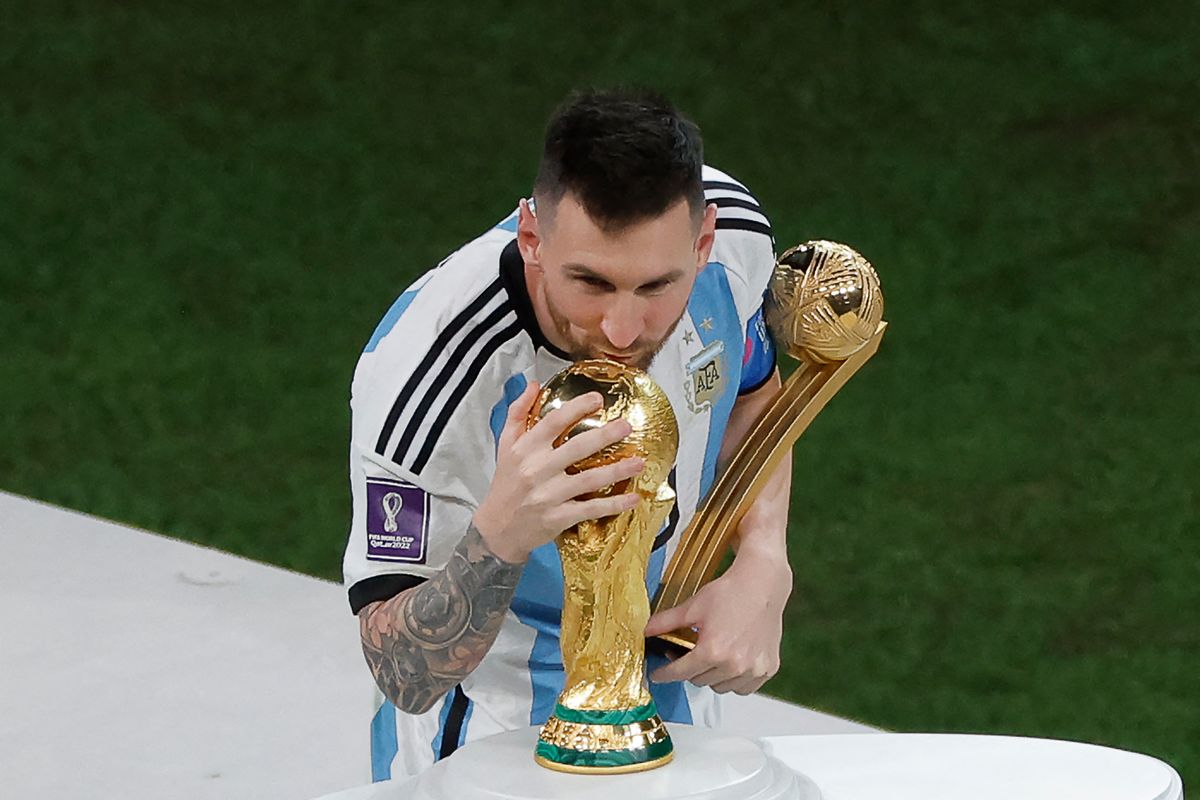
(826, 309)
(580, 736)
(605, 607)
(825, 303)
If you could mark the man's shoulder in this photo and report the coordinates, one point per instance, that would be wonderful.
(450, 295)
(744, 245)
(737, 207)
(445, 357)
(717, 179)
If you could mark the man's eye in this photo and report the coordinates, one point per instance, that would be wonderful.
(594, 283)
(655, 288)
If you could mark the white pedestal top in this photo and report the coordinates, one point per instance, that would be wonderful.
(915, 766)
(708, 765)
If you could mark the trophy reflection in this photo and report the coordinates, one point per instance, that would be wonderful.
(605, 720)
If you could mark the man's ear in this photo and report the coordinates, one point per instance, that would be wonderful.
(529, 237)
(707, 236)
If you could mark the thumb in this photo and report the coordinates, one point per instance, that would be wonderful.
(670, 619)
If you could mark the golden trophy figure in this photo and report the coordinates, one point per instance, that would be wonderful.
(825, 308)
(605, 720)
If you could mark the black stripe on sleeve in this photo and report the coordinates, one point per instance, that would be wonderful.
(455, 718)
(736, 202)
(444, 374)
(380, 587)
(728, 186)
(471, 373)
(751, 389)
(439, 345)
(736, 224)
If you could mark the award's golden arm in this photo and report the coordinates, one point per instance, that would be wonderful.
(707, 538)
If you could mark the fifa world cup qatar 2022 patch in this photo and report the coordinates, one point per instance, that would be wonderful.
(397, 521)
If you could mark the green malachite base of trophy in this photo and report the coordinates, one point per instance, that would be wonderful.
(638, 737)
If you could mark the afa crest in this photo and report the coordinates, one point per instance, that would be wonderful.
(705, 377)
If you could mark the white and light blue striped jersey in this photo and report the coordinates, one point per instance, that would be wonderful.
(428, 400)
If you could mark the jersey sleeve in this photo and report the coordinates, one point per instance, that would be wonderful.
(745, 246)
(422, 451)
(403, 529)
(758, 358)
(744, 242)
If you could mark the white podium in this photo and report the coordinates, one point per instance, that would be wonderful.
(834, 767)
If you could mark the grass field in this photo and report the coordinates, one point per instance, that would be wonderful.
(207, 206)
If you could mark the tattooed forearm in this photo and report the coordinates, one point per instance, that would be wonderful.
(423, 641)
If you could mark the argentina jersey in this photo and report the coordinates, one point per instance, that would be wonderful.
(428, 400)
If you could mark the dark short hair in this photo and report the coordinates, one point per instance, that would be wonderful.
(625, 154)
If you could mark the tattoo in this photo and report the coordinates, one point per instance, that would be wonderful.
(423, 641)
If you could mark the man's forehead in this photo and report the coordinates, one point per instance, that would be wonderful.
(567, 211)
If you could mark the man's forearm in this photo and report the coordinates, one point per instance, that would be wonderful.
(423, 641)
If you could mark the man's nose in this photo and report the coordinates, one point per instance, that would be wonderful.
(622, 323)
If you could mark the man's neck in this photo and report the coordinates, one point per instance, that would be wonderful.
(541, 310)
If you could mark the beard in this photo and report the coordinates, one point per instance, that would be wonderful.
(643, 351)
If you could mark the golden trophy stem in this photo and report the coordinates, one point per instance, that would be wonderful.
(605, 720)
(708, 536)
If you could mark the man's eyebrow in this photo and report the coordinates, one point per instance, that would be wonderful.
(584, 271)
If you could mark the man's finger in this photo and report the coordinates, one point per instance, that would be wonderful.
(667, 620)
(750, 686)
(585, 444)
(518, 412)
(553, 424)
(738, 685)
(684, 668)
(713, 676)
(597, 478)
(579, 510)
(747, 684)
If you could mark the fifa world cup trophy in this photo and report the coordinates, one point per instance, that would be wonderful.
(825, 308)
(605, 720)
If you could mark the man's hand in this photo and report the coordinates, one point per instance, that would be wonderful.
(740, 621)
(532, 498)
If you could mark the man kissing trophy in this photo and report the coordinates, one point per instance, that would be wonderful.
(826, 308)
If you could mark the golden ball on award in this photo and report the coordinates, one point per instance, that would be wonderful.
(824, 303)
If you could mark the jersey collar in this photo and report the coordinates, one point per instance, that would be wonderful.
(512, 278)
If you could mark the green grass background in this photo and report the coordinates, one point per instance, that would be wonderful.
(205, 208)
